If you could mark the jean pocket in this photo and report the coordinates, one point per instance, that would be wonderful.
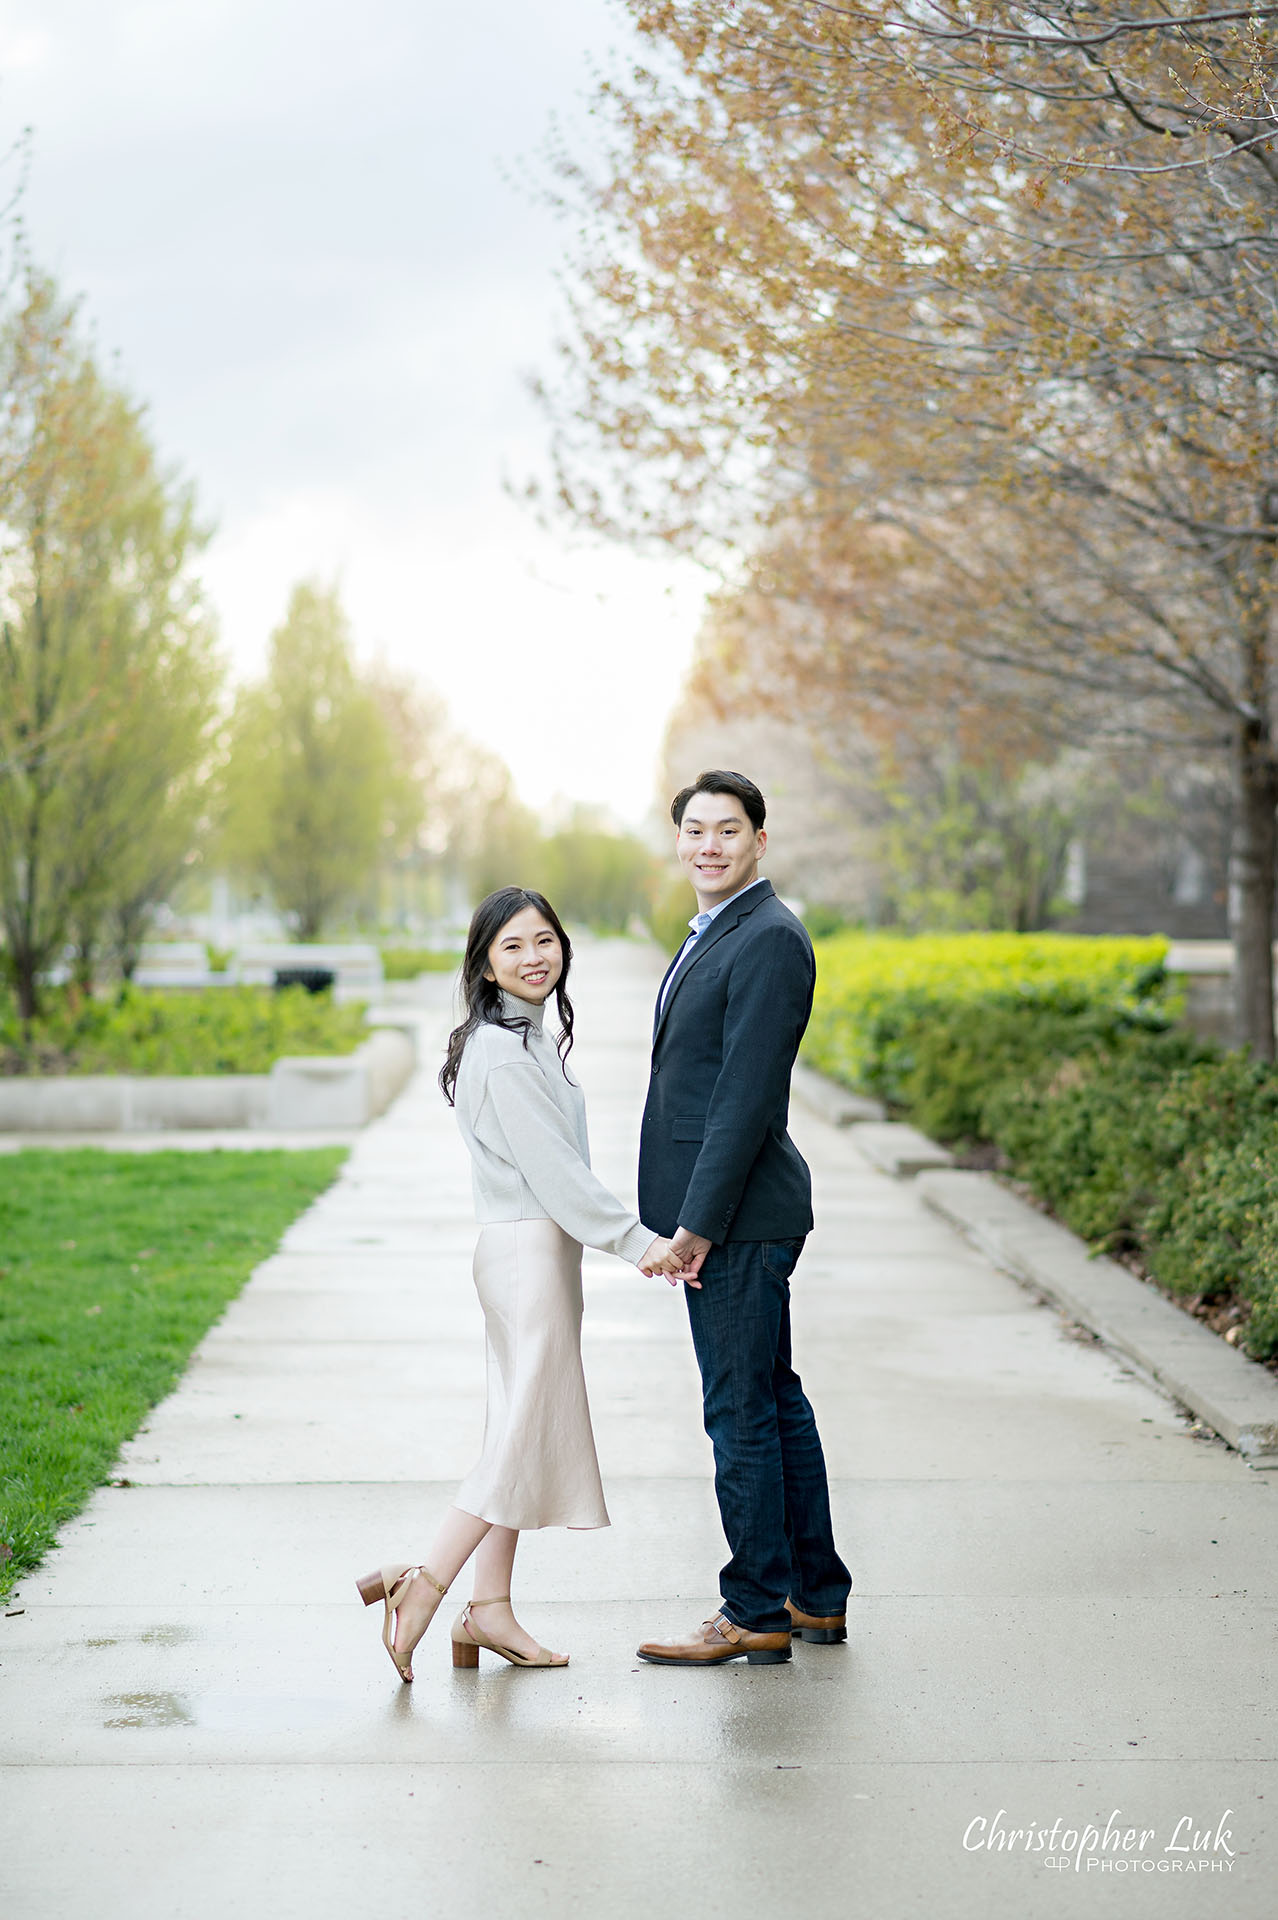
(780, 1257)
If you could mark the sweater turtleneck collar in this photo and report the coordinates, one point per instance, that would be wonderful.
(513, 1008)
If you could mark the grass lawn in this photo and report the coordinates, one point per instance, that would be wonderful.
(112, 1267)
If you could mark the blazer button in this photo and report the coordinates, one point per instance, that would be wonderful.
(656, 1068)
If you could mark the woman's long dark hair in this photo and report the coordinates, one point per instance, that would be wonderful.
(481, 998)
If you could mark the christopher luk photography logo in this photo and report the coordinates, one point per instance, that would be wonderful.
(1187, 1845)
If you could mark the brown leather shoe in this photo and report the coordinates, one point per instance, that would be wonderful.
(828, 1627)
(719, 1640)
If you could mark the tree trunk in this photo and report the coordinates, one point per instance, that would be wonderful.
(26, 986)
(1251, 887)
(84, 962)
(130, 923)
(23, 957)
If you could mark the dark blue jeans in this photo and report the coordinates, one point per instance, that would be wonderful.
(769, 1470)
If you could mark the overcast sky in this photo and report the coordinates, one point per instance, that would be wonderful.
(291, 221)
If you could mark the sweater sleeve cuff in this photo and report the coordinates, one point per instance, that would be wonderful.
(636, 1242)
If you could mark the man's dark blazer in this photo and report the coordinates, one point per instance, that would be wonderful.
(714, 1154)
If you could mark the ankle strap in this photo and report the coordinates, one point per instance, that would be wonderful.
(489, 1603)
(426, 1574)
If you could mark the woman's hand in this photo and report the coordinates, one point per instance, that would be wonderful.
(661, 1258)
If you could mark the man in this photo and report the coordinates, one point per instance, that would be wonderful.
(719, 1172)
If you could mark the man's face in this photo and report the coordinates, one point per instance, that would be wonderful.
(718, 848)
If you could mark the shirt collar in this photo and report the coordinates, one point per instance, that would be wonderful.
(700, 921)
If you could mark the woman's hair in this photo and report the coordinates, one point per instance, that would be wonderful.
(481, 997)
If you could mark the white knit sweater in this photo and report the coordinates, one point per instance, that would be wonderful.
(524, 1122)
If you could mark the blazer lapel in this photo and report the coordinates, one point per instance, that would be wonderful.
(657, 1009)
(731, 917)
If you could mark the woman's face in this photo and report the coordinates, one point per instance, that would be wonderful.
(526, 958)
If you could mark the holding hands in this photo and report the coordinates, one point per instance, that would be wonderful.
(675, 1259)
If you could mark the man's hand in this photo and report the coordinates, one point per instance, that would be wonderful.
(661, 1258)
(692, 1249)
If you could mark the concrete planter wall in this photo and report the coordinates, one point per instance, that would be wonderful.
(1204, 971)
(296, 1095)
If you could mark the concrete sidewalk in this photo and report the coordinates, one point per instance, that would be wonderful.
(1065, 1600)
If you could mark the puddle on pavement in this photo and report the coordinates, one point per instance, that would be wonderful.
(223, 1712)
(168, 1636)
(163, 1636)
(148, 1710)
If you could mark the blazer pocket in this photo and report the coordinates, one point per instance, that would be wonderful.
(689, 1126)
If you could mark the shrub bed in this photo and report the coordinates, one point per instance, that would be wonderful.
(1062, 1054)
(405, 963)
(881, 998)
(177, 1030)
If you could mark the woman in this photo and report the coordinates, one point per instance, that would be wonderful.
(537, 1202)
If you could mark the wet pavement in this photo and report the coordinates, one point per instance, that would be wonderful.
(1063, 1625)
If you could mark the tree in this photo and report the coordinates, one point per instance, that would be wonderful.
(949, 812)
(971, 843)
(108, 678)
(310, 784)
(603, 878)
(140, 805)
(962, 321)
(415, 827)
(492, 839)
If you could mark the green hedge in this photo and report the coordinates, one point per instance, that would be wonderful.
(936, 1024)
(673, 906)
(1064, 1055)
(1167, 1150)
(177, 1030)
(405, 963)
(882, 999)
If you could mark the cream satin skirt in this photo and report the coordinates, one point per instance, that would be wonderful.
(538, 1466)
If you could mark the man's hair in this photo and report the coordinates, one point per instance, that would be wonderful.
(717, 781)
